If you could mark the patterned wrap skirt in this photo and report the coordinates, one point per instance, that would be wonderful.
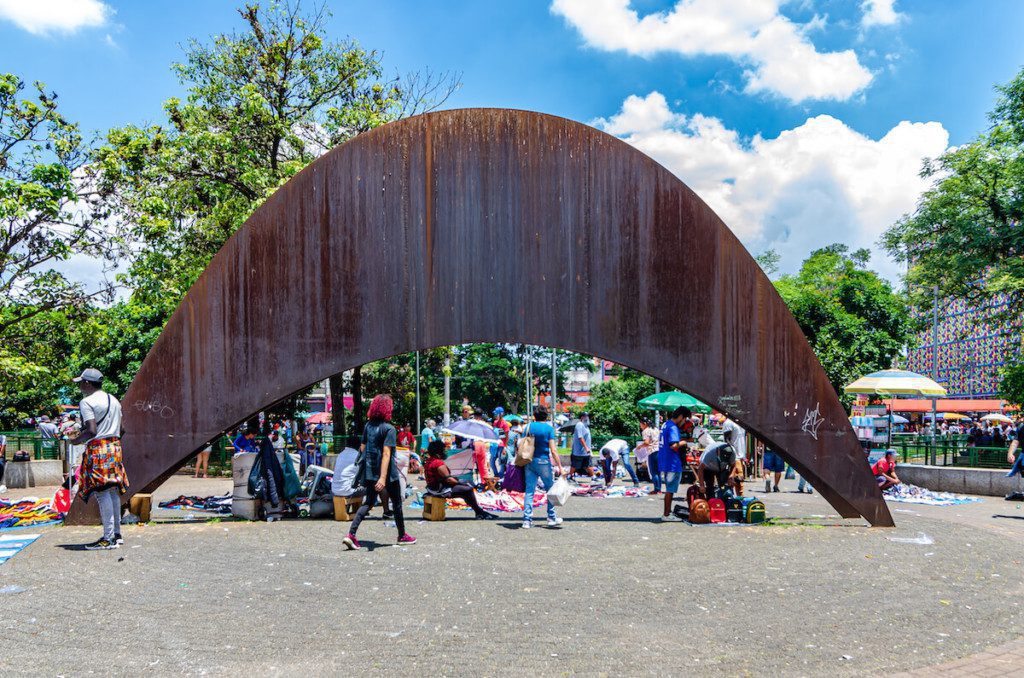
(102, 467)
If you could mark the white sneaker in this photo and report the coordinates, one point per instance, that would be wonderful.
(3, 488)
(671, 518)
(527, 524)
(554, 522)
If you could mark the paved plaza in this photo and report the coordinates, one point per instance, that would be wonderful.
(611, 593)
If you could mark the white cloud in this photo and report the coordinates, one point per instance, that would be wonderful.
(42, 17)
(778, 53)
(879, 13)
(810, 186)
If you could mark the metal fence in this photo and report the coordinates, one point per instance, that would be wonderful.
(33, 443)
(952, 451)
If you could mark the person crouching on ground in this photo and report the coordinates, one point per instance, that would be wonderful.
(378, 470)
(885, 471)
(670, 458)
(544, 455)
(441, 482)
(103, 473)
(717, 468)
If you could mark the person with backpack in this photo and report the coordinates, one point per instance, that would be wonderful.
(378, 469)
(544, 455)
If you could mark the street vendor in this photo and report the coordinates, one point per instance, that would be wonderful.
(675, 435)
(441, 482)
(718, 467)
(885, 471)
(102, 474)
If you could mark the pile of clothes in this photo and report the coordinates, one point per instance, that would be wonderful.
(27, 511)
(912, 494)
(601, 492)
(220, 505)
(495, 502)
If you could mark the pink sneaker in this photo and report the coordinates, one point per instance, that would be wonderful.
(351, 543)
(407, 539)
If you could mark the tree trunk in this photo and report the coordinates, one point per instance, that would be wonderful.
(357, 397)
(337, 388)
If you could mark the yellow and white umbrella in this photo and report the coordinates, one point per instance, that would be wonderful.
(894, 383)
(1001, 418)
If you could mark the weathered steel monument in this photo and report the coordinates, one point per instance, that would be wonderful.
(488, 225)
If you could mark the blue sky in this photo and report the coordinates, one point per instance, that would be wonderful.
(801, 123)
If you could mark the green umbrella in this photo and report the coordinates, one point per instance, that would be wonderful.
(670, 400)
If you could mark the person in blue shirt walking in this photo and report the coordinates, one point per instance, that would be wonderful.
(544, 455)
(670, 456)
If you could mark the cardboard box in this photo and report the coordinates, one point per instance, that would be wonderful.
(140, 505)
(433, 507)
(345, 508)
(245, 508)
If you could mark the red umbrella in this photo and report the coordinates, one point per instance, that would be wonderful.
(319, 418)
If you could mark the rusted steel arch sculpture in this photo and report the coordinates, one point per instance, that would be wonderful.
(488, 225)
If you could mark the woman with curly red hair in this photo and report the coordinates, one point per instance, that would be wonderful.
(377, 470)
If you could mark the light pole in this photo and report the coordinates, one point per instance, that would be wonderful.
(419, 426)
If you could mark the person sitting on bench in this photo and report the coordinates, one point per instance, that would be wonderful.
(441, 482)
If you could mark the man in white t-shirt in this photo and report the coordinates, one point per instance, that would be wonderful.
(103, 474)
(614, 452)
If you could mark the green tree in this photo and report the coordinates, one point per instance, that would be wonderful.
(852, 318)
(965, 238)
(612, 407)
(260, 105)
(49, 211)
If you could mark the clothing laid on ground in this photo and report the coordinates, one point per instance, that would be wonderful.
(376, 436)
(105, 410)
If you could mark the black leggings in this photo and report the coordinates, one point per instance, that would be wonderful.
(465, 493)
(394, 490)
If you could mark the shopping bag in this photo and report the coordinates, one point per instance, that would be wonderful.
(559, 492)
(514, 480)
(256, 486)
(524, 451)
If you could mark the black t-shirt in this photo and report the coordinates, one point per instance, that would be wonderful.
(377, 435)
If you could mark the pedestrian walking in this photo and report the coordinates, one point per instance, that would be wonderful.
(103, 474)
(579, 458)
(378, 470)
(545, 454)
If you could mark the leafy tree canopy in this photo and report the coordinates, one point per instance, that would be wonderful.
(854, 321)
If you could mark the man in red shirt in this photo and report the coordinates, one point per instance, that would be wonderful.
(406, 438)
(885, 471)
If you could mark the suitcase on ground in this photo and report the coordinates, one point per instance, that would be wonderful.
(754, 511)
(700, 512)
(693, 492)
(716, 509)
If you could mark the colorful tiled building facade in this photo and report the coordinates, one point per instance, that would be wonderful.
(971, 348)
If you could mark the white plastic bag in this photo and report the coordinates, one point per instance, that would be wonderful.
(559, 492)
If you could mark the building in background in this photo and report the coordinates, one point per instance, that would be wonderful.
(971, 349)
